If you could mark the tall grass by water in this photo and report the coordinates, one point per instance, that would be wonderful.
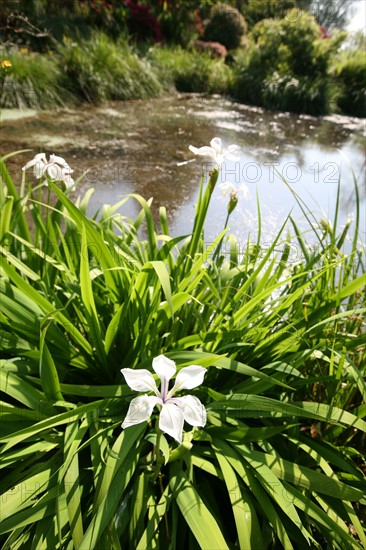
(99, 69)
(93, 70)
(278, 463)
(31, 80)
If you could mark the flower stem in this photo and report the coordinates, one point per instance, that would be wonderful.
(158, 461)
(201, 212)
(218, 248)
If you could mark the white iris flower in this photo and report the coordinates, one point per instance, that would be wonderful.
(216, 151)
(56, 169)
(174, 410)
(228, 189)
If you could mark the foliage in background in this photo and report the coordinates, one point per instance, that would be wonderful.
(333, 14)
(31, 80)
(226, 25)
(349, 73)
(191, 71)
(178, 18)
(99, 69)
(43, 23)
(278, 464)
(141, 23)
(181, 26)
(255, 11)
(286, 66)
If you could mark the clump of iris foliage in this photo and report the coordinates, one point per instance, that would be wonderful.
(278, 463)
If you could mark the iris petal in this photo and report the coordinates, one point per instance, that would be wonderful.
(140, 380)
(165, 368)
(216, 144)
(233, 148)
(188, 378)
(40, 157)
(226, 188)
(171, 421)
(203, 151)
(140, 409)
(39, 169)
(193, 411)
(59, 160)
(53, 171)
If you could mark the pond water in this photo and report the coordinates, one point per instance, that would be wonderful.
(142, 147)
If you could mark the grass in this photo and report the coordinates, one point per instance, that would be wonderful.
(99, 69)
(32, 80)
(278, 464)
(95, 69)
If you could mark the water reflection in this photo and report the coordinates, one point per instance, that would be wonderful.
(142, 147)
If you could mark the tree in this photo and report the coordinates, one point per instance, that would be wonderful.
(333, 13)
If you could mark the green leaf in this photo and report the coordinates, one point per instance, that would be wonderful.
(158, 512)
(247, 526)
(163, 276)
(107, 505)
(71, 485)
(246, 405)
(301, 476)
(47, 368)
(25, 393)
(199, 519)
(56, 420)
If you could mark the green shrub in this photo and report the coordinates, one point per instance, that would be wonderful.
(191, 71)
(286, 66)
(226, 25)
(179, 26)
(350, 81)
(257, 10)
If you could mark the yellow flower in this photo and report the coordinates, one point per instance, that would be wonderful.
(5, 63)
(23, 51)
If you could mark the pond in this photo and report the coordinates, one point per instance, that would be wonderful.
(142, 147)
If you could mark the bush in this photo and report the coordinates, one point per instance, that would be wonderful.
(350, 81)
(287, 65)
(142, 24)
(191, 71)
(226, 25)
(257, 10)
(180, 26)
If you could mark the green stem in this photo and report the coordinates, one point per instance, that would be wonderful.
(158, 461)
(218, 248)
(22, 185)
(201, 212)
